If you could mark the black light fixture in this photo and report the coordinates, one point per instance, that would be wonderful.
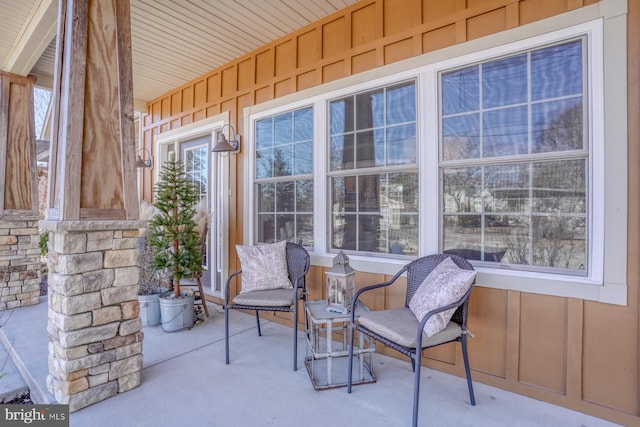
(223, 145)
(147, 161)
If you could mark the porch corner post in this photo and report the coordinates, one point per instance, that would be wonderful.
(20, 265)
(94, 326)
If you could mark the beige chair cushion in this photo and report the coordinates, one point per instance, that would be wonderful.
(446, 284)
(400, 325)
(264, 267)
(267, 298)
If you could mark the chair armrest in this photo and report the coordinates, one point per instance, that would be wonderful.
(297, 285)
(226, 286)
(426, 317)
(372, 287)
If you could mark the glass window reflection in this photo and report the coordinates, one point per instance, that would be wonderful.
(518, 191)
(283, 167)
(374, 212)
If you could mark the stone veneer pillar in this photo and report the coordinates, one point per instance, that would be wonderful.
(94, 328)
(20, 263)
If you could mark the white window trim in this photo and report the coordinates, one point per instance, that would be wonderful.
(605, 23)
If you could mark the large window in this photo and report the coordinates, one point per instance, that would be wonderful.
(498, 150)
(373, 171)
(514, 159)
(284, 181)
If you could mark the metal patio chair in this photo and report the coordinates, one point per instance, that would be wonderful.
(284, 300)
(400, 330)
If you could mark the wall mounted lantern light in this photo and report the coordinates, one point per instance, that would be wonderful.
(225, 146)
(145, 162)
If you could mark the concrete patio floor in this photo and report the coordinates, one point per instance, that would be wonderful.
(186, 382)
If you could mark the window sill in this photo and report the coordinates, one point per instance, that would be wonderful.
(537, 283)
(555, 285)
(366, 264)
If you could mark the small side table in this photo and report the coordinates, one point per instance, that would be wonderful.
(327, 359)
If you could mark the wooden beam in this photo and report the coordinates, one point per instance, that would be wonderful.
(127, 127)
(18, 172)
(93, 173)
(72, 103)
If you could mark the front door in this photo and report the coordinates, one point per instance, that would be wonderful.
(195, 154)
(192, 144)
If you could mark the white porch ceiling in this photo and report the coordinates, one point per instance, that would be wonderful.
(173, 41)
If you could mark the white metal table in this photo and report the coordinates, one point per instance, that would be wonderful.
(327, 359)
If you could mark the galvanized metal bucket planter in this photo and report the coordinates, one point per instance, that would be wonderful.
(176, 313)
(150, 309)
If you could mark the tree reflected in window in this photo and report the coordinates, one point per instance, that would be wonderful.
(283, 171)
(517, 193)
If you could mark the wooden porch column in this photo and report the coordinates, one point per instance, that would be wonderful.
(19, 253)
(93, 148)
(95, 338)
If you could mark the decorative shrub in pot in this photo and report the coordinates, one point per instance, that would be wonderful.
(175, 242)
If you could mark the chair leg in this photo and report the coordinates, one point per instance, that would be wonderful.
(350, 361)
(467, 371)
(295, 337)
(226, 333)
(416, 387)
(258, 323)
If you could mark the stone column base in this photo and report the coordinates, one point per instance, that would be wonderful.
(95, 332)
(20, 263)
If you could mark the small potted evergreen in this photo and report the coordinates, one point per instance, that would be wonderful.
(175, 243)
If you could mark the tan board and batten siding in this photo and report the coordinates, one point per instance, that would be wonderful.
(576, 353)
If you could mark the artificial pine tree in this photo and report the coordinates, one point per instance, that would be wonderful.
(172, 231)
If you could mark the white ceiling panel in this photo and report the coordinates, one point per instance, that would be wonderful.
(175, 41)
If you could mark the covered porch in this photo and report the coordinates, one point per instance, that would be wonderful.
(561, 344)
(258, 387)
